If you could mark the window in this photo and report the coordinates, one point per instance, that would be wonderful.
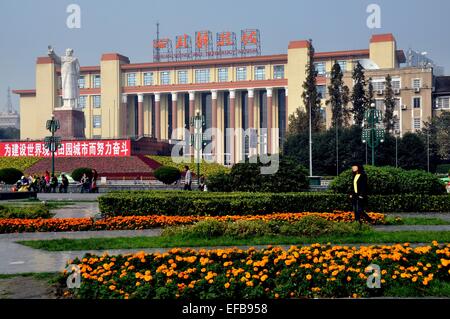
(320, 68)
(321, 91)
(323, 115)
(417, 102)
(82, 82)
(131, 79)
(165, 77)
(97, 101)
(343, 65)
(396, 84)
(417, 123)
(202, 76)
(378, 85)
(416, 83)
(97, 121)
(96, 81)
(223, 74)
(82, 101)
(278, 72)
(241, 73)
(443, 102)
(396, 123)
(148, 78)
(260, 72)
(182, 77)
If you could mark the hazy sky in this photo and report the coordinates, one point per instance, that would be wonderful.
(27, 27)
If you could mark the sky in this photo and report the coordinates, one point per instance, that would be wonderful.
(27, 27)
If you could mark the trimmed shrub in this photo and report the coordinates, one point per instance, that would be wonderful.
(248, 177)
(25, 212)
(390, 180)
(77, 173)
(10, 175)
(166, 174)
(220, 204)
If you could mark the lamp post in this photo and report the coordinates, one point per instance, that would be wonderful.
(197, 122)
(310, 134)
(373, 133)
(52, 143)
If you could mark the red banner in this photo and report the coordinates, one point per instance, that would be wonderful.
(87, 148)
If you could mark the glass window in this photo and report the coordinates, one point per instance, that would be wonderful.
(416, 123)
(416, 83)
(82, 101)
(443, 102)
(182, 77)
(82, 82)
(165, 77)
(241, 73)
(131, 79)
(97, 81)
(321, 90)
(343, 65)
(223, 74)
(323, 115)
(202, 76)
(148, 78)
(320, 68)
(396, 84)
(378, 85)
(97, 121)
(278, 71)
(97, 101)
(416, 102)
(260, 72)
(396, 123)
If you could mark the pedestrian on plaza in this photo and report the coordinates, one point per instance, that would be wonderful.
(358, 193)
(53, 183)
(85, 183)
(94, 188)
(64, 184)
(42, 185)
(187, 179)
(201, 184)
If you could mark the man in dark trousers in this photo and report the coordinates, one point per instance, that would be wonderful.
(359, 192)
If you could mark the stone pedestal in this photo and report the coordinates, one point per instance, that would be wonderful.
(71, 123)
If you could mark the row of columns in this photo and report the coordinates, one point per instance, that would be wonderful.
(232, 117)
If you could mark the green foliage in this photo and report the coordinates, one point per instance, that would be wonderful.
(338, 97)
(443, 169)
(390, 180)
(166, 174)
(389, 102)
(77, 173)
(10, 175)
(20, 163)
(358, 97)
(309, 226)
(236, 203)
(412, 152)
(25, 212)
(249, 177)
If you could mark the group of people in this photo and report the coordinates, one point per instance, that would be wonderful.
(188, 181)
(50, 183)
(42, 184)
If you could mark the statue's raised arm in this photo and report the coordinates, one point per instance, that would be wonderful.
(53, 55)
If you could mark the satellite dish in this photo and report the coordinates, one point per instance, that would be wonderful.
(368, 64)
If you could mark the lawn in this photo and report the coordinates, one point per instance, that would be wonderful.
(205, 168)
(369, 237)
(20, 163)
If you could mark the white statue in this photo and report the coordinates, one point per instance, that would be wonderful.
(70, 73)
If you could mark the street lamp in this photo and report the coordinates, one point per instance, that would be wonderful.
(197, 122)
(310, 135)
(52, 143)
(373, 133)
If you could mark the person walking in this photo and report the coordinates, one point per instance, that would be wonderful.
(94, 188)
(359, 193)
(64, 184)
(201, 185)
(187, 179)
(53, 183)
(85, 183)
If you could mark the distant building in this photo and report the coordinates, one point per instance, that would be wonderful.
(9, 118)
(441, 94)
(420, 59)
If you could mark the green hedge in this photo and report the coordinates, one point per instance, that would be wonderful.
(207, 203)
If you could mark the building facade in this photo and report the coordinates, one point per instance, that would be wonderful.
(122, 99)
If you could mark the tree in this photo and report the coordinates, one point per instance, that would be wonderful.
(298, 122)
(370, 96)
(412, 153)
(358, 97)
(338, 93)
(389, 103)
(310, 96)
(439, 130)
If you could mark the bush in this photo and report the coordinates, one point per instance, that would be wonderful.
(389, 180)
(443, 169)
(206, 169)
(77, 173)
(25, 212)
(247, 177)
(166, 174)
(20, 163)
(221, 204)
(10, 175)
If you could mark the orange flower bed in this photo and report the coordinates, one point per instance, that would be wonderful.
(16, 225)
